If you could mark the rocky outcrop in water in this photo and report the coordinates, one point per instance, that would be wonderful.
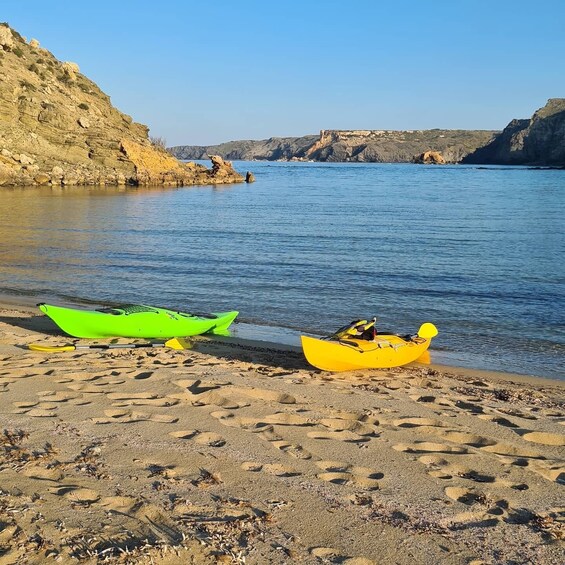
(430, 158)
(364, 146)
(57, 127)
(537, 141)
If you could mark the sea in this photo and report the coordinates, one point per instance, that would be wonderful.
(479, 251)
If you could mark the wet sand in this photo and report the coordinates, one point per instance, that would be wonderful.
(240, 452)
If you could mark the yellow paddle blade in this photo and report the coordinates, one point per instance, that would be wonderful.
(425, 358)
(427, 331)
(179, 343)
(54, 348)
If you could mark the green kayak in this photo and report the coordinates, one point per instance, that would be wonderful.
(136, 321)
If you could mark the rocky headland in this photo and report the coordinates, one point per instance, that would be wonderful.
(539, 141)
(58, 128)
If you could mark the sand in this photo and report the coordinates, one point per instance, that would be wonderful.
(235, 452)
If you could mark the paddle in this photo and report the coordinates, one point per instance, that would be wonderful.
(427, 331)
(174, 343)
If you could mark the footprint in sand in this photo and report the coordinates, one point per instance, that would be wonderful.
(209, 439)
(231, 420)
(340, 425)
(184, 434)
(119, 504)
(418, 422)
(38, 413)
(544, 438)
(128, 417)
(296, 451)
(340, 473)
(466, 438)
(344, 435)
(83, 495)
(59, 396)
(266, 395)
(499, 420)
(286, 419)
(331, 555)
(465, 496)
(443, 469)
(75, 493)
(25, 404)
(552, 471)
(86, 388)
(211, 398)
(427, 447)
(275, 469)
(42, 473)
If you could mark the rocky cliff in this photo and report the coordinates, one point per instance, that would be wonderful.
(537, 141)
(378, 146)
(57, 127)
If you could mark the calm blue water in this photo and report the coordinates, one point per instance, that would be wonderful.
(479, 252)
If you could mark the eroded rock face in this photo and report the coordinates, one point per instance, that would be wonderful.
(537, 141)
(58, 128)
(6, 38)
(430, 158)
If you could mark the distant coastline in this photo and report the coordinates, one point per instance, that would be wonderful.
(538, 141)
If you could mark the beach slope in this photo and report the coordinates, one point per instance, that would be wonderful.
(239, 453)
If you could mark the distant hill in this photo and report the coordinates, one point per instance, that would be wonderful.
(539, 140)
(369, 146)
(58, 128)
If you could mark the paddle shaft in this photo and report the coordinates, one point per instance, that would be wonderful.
(174, 343)
(119, 346)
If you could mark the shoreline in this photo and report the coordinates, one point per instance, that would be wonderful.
(239, 452)
(27, 304)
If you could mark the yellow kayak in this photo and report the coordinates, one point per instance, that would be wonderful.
(383, 351)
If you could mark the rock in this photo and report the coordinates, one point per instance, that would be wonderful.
(24, 159)
(83, 122)
(249, 177)
(70, 69)
(70, 180)
(222, 169)
(41, 178)
(6, 38)
(430, 158)
(7, 174)
(34, 44)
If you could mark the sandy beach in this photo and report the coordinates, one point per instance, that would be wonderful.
(238, 452)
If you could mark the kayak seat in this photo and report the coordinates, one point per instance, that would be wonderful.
(127, 309)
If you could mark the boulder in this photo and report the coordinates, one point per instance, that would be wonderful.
(6, 38)
(222, 169)
(41, 178)
(70, 69)
(430, 158)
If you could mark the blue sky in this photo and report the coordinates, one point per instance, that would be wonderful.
(200, 72)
